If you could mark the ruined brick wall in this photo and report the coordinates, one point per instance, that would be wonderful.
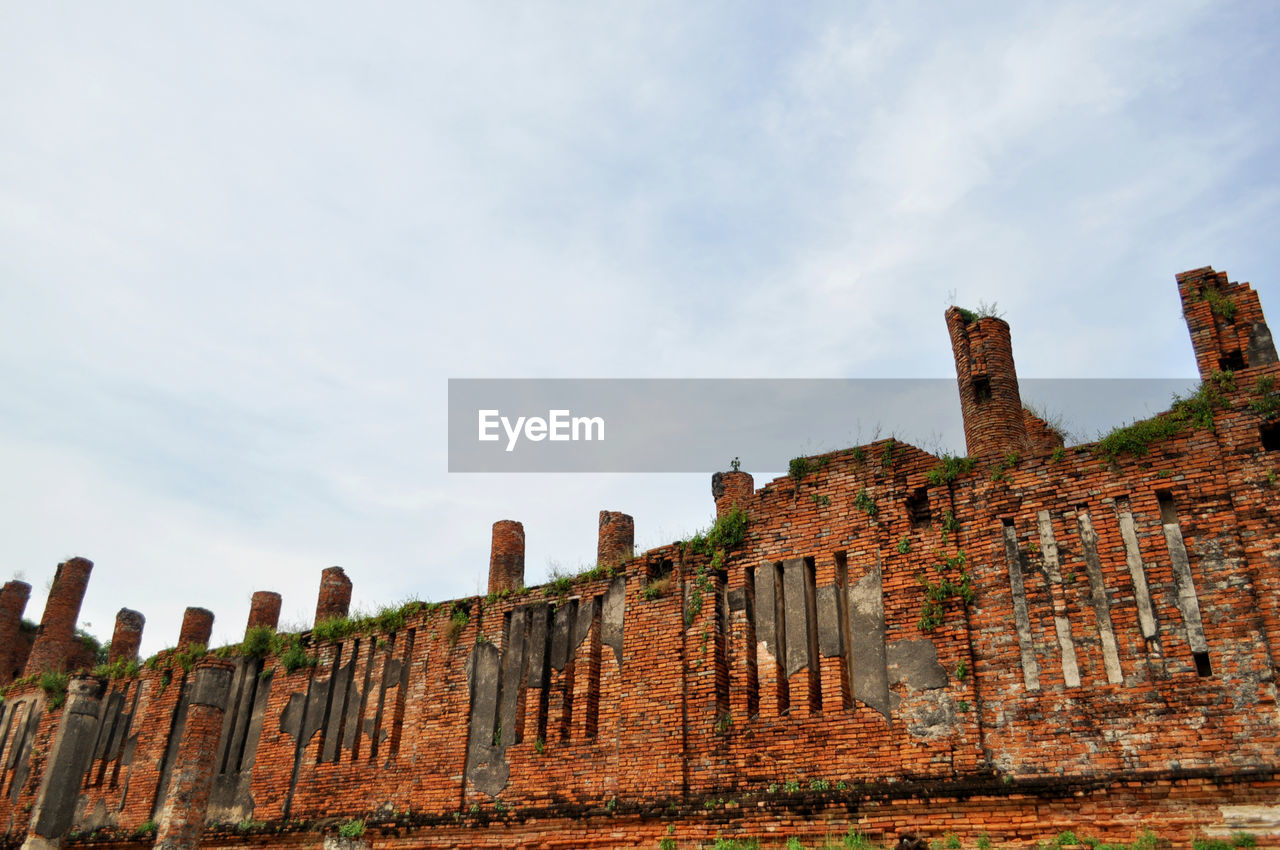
(1016, 646)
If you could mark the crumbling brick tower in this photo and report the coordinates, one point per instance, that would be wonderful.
(990, 403)
(1228, 331)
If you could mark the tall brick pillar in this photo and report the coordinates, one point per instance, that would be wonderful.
(127, 637)
(732, 490)
(1228, 330)
(506, 556)
(54, 810)
(264, 610)
(616, 540)
(994, 424)
(13, 602)
(335, 595)
(56, 638)
(187, 802)
(197, 627)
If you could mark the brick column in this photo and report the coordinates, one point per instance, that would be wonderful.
(335, 595)
(616, 540)
(989, 398)
(732, 490)
(506, 556)
(182, 819)
(1228, 330)
(264, 610)
(127, 637)
(55, 640)
(197, 627)
(55, 806)
(13, 601)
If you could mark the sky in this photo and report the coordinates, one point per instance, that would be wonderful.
(243, 248)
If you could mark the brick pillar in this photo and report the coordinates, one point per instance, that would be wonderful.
(1228, 330)
(197, 627)
(187, 801)
(264, 610)
(13, 602)
(335, 595)
(127, 637)
(616, 539)
(506, 556)
(989, 399)
(732, 490)
(55, 640)
(54, 811)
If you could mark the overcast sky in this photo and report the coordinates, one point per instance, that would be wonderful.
(243, 246)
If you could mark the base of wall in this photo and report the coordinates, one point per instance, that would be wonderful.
(1011, 813)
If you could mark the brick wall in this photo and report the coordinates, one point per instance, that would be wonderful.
(1061, 640)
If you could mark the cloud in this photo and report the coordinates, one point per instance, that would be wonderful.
(242, 249)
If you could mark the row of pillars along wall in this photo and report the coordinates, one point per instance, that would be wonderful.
(181, 822)
(54, 647)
